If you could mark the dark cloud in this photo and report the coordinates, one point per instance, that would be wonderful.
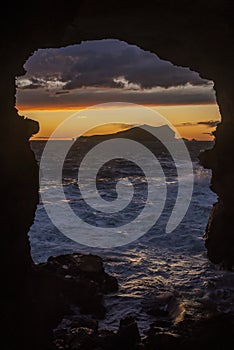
(31, 87)
(91, 96)
(107, 71)
(62, 92)
(209, 123)
(105, 64)
(186, 124)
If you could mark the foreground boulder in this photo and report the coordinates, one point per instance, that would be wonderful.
(83, 281)
(35, 307)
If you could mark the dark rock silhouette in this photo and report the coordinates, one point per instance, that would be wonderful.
(194, 34)
(219, 238)
(50, 292)
(215, 332)
(138, 133)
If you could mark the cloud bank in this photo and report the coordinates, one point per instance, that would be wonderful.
(208, 123)
(108, 70)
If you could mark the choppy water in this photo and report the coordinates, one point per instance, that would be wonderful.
(155, 263)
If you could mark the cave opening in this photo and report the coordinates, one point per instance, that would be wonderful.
(78, 79)
(36, 297)
(62, 81)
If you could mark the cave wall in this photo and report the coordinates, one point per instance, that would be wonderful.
(196, 34)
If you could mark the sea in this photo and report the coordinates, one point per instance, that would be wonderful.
(155, 264)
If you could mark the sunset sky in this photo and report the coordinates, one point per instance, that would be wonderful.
(60, 82)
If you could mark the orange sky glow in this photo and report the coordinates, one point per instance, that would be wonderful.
(61, 82)
(191, 121)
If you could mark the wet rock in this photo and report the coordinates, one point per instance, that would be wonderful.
(81, 339)
(215, 332)
(83, 321)
(75, 321)
(75, 339)
(90, 263)
(128, 334)
(85, 339)
(219, 238)
(126, 338)
(163, 341)
(167, 307)
(83, 266)
(106, 340)
(83, 280)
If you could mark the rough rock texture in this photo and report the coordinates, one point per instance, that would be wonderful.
(215, 332)
(219, 236)
(82, 280)
(197, 34)
(32, 310)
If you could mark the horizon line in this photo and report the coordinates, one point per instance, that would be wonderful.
(74, 108)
